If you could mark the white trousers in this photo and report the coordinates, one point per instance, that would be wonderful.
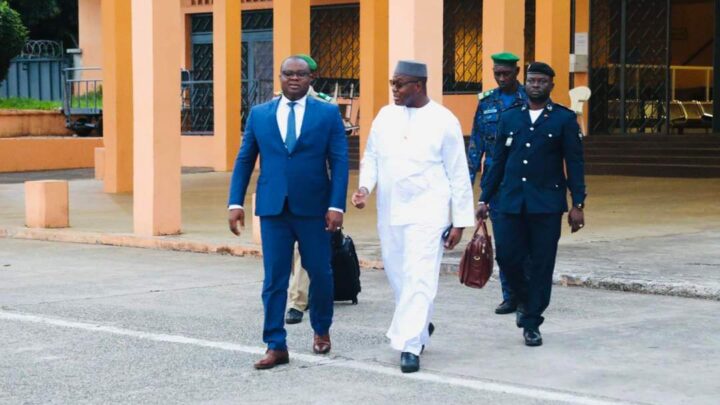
(411, 256)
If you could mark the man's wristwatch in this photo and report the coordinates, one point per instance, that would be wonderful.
(579, 206)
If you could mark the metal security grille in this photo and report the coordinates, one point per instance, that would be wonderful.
(462, 46)
(197, 84)
(629, 66)
(257, 60)
(529, 31)
(335, 45)
(201, 23)
(257, 20)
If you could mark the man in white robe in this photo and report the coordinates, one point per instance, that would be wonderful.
(415, 156)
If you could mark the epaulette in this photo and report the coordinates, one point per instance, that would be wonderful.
(562, 107)
(485, 94)
(323, 97)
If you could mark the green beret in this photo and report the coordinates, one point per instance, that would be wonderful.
(310, 61)
(505, 58)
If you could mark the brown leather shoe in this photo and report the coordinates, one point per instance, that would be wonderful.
(272, 358)
(321, 344)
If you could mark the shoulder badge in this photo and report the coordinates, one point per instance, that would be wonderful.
(484, 94)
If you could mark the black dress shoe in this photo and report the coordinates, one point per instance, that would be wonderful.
(409, 363)
(431, 329)
(506, 307)
(293, 316)
(532, 337)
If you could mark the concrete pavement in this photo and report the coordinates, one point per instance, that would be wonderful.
(99, 324)
(636, 229)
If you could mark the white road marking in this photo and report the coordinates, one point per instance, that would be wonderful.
(477, 385)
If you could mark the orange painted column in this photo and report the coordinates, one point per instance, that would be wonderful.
(552, 43)
(117, 96)
(291, 32)
(156, 91)
(226, 82)
(416, 32)
(373, 63)
(90, 36)
(503, 30)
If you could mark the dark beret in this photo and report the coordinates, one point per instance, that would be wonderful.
(542, 68)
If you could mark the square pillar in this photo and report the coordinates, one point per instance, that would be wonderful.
(416, 32)
(157, 36)
(373, 64)
(503, 30)
(99, 163)
(291, 32)
(226, 82)
(46, 204)
(552, 43)
(117, 95)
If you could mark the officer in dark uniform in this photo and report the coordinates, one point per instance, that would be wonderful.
(527, 187)
(491, 104)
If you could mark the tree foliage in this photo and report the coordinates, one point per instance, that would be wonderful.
(50, 19)
(13, 35)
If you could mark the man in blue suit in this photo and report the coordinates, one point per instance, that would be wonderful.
(301, 193)
(527, 187)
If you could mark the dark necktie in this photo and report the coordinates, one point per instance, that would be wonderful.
(291, 136)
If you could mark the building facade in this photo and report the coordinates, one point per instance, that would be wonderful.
(649, 64)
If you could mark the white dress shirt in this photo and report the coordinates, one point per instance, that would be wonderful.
(283, 111)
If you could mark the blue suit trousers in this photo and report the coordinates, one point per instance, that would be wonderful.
(279, 234)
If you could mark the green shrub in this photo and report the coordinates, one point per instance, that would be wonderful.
(13, 35)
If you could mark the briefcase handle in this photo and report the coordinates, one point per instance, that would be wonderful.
(481, 225)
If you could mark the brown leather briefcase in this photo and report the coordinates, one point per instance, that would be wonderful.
(476, 264)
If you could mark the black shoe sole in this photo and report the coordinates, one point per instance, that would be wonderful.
(505, 311)
(533, 344)
(409, 369)
(293, 321)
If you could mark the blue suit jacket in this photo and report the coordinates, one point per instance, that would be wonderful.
(528, 167)
(313, 178)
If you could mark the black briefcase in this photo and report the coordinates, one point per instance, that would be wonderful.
(346, 268)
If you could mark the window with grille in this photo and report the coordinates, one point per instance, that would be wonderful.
(462, 46)
(629, 62)
(335, 46)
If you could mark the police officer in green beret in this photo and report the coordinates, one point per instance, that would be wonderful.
(538, 143)
(491, 104)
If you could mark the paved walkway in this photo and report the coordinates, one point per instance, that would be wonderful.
(101, 324)
(652, 235)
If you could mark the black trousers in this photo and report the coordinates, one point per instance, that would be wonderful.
(526, 248)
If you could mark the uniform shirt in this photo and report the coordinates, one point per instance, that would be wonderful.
(487, 116)
(528, 172)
